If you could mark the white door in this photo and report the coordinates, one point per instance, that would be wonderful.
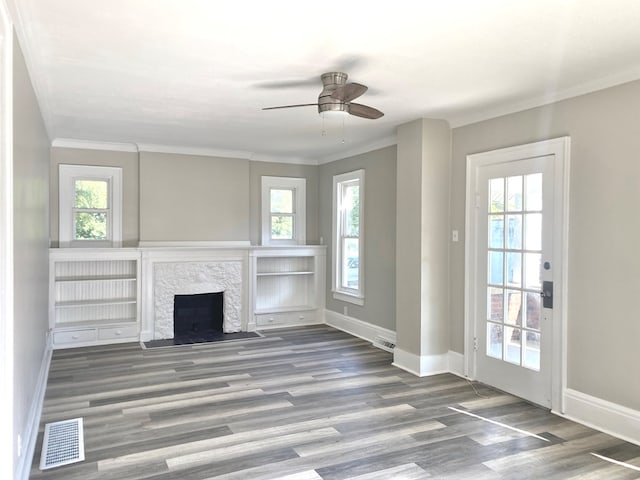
(513, 270)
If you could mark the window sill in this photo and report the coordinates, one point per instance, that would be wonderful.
(348, 297)
(90, 244)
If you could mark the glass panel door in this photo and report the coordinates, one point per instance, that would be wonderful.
(513, 265)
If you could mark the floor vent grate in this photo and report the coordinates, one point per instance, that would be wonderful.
(384, 343)
(63, 443)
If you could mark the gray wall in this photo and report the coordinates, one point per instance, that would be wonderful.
(128, 161)
(162, 185)
(31, 244)
(193, 198)
(604, 227)
(380, 224)
(310, 172)
(422, 263)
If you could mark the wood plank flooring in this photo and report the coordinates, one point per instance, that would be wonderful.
(304, 404)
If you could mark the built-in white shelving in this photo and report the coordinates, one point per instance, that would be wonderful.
(107, 295)
(288, 285)
(93, 296)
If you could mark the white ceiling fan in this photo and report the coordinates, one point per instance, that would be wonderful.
(337, 96)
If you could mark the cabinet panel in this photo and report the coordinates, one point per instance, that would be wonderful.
(74, 336)
(114, 333)
(286, 318)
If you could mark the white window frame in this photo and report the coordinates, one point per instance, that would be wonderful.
(351, 295)
(68, 174)
(298, 186)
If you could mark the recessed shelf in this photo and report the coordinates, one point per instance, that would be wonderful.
(91, 303)
(276, 274)
(106, 278)
(287, 285)
(111, 322)
(295, 308)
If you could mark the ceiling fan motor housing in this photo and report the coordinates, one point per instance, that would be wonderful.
(331, 81)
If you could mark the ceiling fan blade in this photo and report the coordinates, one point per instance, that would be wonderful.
(364, 111)
(276, 85)
(349, 92)
(292, 106)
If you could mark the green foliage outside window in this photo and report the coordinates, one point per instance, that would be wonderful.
(282, 227)
(91, 196)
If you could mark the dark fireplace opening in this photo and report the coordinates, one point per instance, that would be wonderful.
(197, 319)
(198, 315)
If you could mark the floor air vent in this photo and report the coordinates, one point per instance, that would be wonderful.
(384, 343)
(63, 443)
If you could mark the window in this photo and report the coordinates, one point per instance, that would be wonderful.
(283, 211)
(90, 206)
(348, 237)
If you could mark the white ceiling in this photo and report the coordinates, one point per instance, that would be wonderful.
(194, 74)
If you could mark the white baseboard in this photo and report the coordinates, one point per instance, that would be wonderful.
(357, 328)
(23, 467)
(425, 365)
(456, 363)
(421, 365)
(608, 417)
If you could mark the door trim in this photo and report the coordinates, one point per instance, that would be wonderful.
(8, 446)
(560, 148)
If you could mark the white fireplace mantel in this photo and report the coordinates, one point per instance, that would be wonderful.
(171, 270)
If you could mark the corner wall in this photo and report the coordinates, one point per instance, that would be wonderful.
(31, 262)
(380, 245)
(422, 256)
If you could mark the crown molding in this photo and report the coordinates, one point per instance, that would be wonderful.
(258, 157)
(184, 150)
(212, 152)
(93, 145)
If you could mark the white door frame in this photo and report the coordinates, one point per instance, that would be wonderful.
(7, 444)
(560, 148)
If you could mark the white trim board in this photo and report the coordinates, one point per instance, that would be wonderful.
(62, 142)
(357, 328)
(426, 365)
(420, 365)
(7, 397)
(602, 415)
(23, 468)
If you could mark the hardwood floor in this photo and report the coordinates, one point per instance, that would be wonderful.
(304, 403)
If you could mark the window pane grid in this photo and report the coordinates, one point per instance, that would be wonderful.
(513, 269)
(348, 211)
(91, 209)
(282, 227)
(282, 200)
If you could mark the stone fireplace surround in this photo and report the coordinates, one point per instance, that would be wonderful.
(180, 268)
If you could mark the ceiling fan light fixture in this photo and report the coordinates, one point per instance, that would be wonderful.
(334, 109)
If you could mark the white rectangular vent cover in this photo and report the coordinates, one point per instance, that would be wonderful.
(384, 343)
(63, 443)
